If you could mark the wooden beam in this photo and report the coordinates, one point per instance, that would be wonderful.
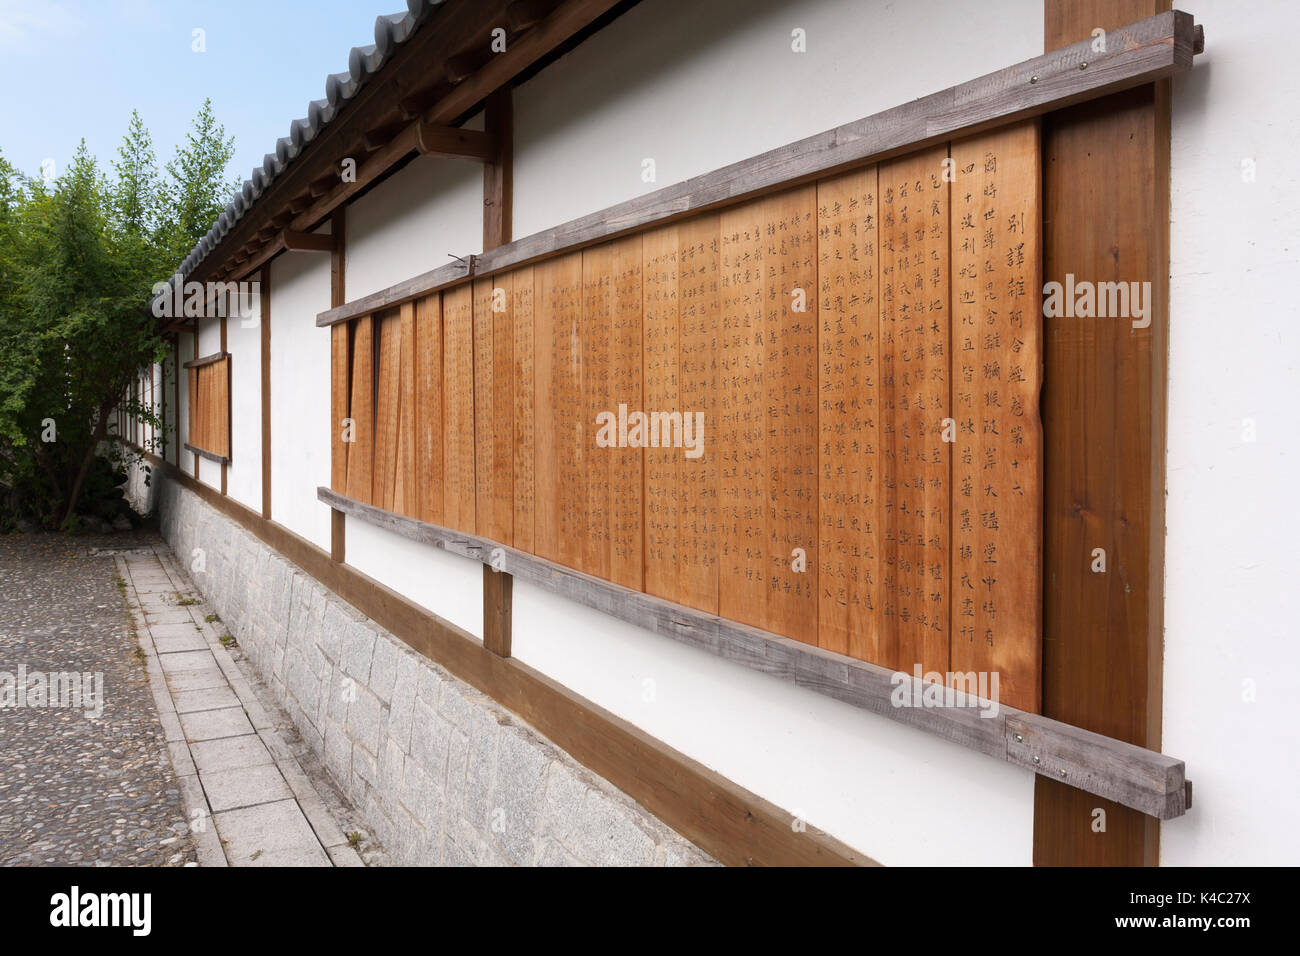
(1103, 413)
(1120, 771)
(735, 826)
(306, 241)
(462, 66)
(525, 14)
(381, 135)
(413, 106)
(456, 143)
(1137, 54)
(264, 288)
(321, 186)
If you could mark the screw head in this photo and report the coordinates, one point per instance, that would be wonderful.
(1019, 739)
(1034, 78)
(1036, 760)
(1083, 65)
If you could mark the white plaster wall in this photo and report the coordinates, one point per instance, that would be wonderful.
(244, 342)
(300, 394)
(695, 86)
(414, 221)
(445, 584)
(901, 796)
(1231, 599)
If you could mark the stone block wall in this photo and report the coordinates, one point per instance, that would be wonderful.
(442, 773)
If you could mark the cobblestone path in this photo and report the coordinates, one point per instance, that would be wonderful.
(88, 782)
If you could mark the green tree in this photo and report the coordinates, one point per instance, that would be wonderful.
(197, 187)
(78, 260)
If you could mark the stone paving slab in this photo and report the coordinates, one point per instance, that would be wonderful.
(210, 698)
(213, 724)
(249, 801)
(214, 756)
(273, 834)
(245, 787)
(196, 680)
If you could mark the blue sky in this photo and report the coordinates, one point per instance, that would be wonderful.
(76, 68)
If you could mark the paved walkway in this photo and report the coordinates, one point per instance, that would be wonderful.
(247, 795)
(86, 782)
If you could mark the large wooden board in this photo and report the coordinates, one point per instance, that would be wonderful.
(484, 415)
(996, 494)
(660, 372)
(405, 486)
(458, 408)
(768, 381)
(914, 331)
(592, 520)
(559, 488)
(361, 409)
(429, 448)
(503, 410)
(850, 526)
(525, 390)
(339, 385)
(387, 408)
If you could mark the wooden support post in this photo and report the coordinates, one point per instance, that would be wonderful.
(193, 396)
(498, 202)
(498, 594)
(161, 431)
(225, 351)
(338, 295)
(1104, 418)
(498, 174)
(176, 394)
(264, 315)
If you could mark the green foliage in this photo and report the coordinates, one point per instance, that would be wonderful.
(78, 259)
(196, 191)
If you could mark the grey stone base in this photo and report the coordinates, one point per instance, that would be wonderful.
(441, 773)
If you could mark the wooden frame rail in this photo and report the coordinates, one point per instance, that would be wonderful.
(1133, 776)
(1137, 54)
(209, 455)
(206, 360)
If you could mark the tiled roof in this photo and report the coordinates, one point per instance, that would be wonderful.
(391, 31)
